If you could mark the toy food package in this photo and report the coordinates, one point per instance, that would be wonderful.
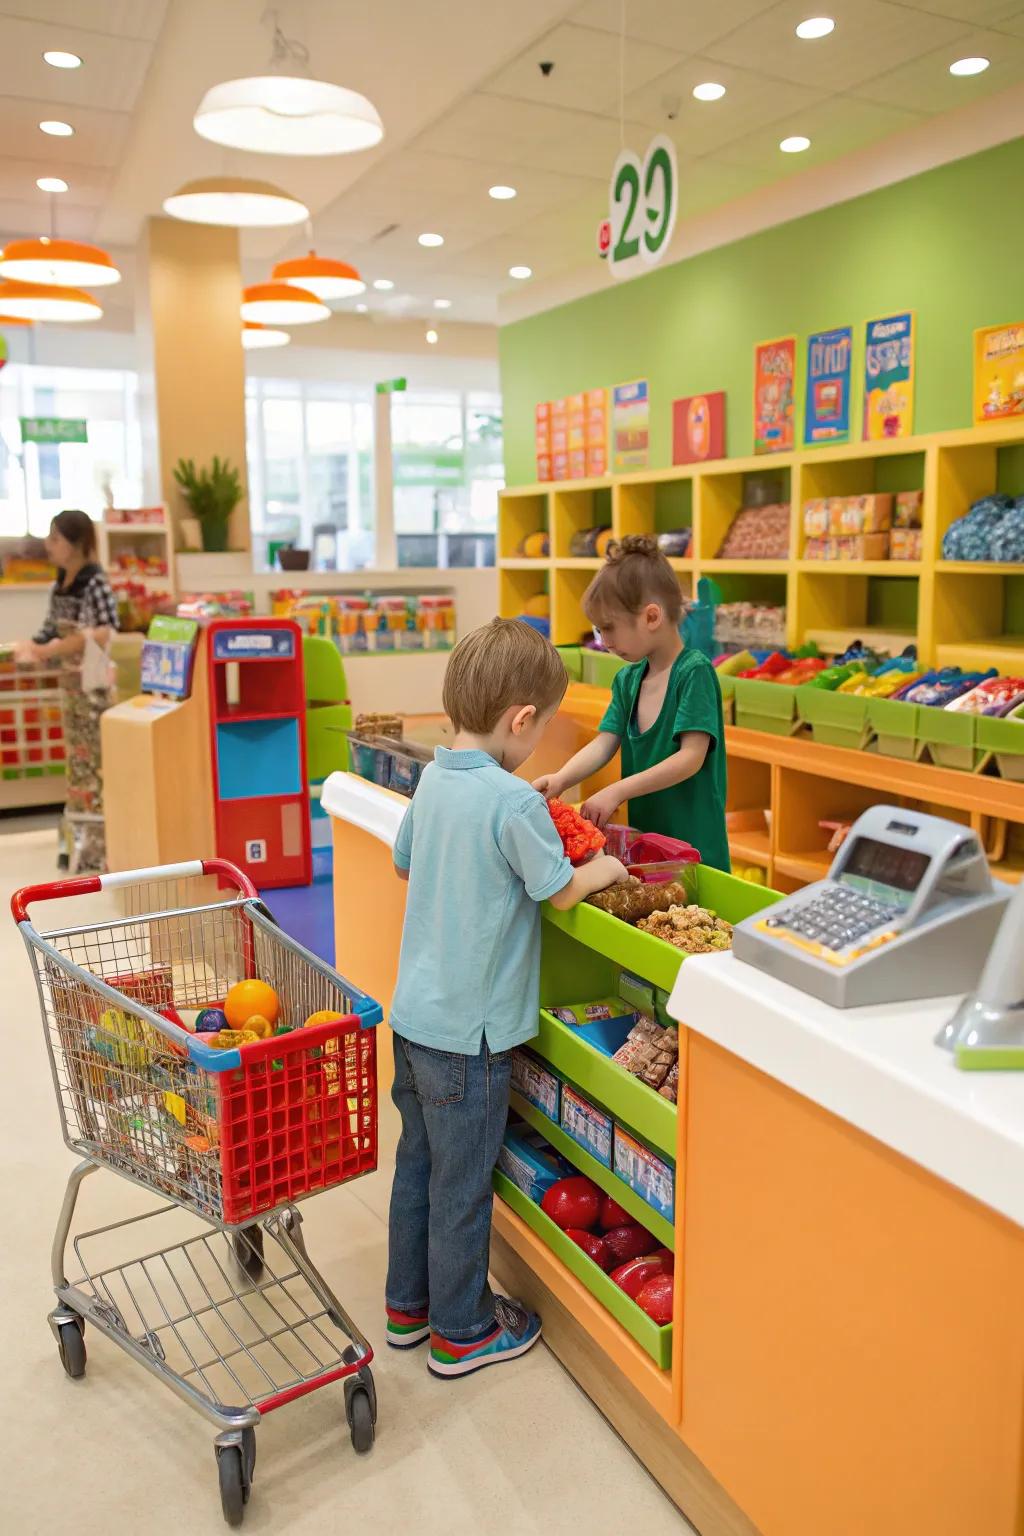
(938, 690)
(588, 1126)
(648, 1176)
(758, 533)
(527, 1159)
(850, 546)
(995, 696)
(816, 518)
(585, 543)
(632, 899)
(860, 514)
(580, 838)
(649, 1051)
(907, 511)
(905, 544)
(691, 928)
(537, 1085)
(591, 1013)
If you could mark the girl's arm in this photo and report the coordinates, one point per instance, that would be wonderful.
(597, 754)
(682, 765)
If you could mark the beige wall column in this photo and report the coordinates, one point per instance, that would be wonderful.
(192, 372)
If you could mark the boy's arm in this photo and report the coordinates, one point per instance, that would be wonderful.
(596, 875)
(597, 754)
(682, 765)
(401, 854)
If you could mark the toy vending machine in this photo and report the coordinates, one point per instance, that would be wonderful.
(258, 731)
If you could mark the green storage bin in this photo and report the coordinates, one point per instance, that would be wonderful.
(951, 738)
(327, 727)
(896, 727)
(572, 658)
(1004, 739)
(835, 719)
(599, 669)
(761, 706)
(629, 1101)
(656, 1341)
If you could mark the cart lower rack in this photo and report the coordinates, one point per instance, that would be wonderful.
(213, 1292)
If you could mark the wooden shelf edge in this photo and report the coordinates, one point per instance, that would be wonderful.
(635, 1364)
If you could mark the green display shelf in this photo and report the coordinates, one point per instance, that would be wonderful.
(835, 719)
(1004, 738)
(656, 1341)
(636, 1107)
(897, 728)
(603, 1177)
(763, 706)
(951, 738)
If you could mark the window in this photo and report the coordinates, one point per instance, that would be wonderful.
(310, 458)
(447, 456)
(36, 479)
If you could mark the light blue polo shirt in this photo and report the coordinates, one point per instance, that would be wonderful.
(482, 852)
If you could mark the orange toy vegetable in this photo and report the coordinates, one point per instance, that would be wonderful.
(248, 997)
(580, 838)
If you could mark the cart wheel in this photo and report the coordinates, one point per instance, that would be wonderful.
(359, 1412)
(248, 1461)
(247, 1247)
(71, 1347)
(230, 1473)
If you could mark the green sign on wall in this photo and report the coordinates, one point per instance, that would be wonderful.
(53, 429)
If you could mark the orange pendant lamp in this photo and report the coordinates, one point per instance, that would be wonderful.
(320, 275)
(46, 301)
(10, 320)
(281, 304)
(256, 337)
(60, 263)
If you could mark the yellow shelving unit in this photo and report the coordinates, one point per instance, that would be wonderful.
(954, 611)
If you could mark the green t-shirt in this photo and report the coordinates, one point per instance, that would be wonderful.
(695, 809)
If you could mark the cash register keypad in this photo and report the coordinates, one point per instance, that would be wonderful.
(835, 919)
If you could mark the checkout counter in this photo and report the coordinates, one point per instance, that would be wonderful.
(847, 1351)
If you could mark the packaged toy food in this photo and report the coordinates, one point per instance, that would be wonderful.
(580, 838)
(592, 1013)
(937, 690)
(907, 511)
(587, 542)
(632, 899)
(649, 1051)
(905, 544)
(758, 533)
(995, 696)
(691, 928)
(992, 529)
(675, 543)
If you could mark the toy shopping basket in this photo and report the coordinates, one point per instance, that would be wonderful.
(232, 1316)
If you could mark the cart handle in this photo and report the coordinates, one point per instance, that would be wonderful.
(84, 885)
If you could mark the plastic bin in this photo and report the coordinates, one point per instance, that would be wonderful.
(835, 719)
(393, 764)
(761, 706)
(1005, 740)
(897, 728)
(599, 668)
(951, 738)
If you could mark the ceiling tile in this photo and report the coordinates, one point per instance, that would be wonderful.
(686, 25)
(115, 18)
(87, 185)
(585, 76)
(835, 127)
(114, 71)
(974, 13)
(870, 35)
(1013, 24)
(547, 138)
(925, 84)
(700, 127)
(98, 138)
(20, 219)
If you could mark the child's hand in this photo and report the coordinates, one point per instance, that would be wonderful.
(600, 808)
(549, 785)
(610, 870)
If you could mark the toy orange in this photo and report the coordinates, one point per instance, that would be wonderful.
(325, 1016)
(248, 997)
(259, 1026)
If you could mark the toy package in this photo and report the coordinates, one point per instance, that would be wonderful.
(996, 696)
(992, 529)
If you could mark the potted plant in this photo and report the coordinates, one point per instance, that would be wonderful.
(212, 494)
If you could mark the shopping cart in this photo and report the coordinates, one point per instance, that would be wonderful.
(230, 1313)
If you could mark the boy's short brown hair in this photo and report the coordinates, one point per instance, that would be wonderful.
(503, 663)
(635, 573)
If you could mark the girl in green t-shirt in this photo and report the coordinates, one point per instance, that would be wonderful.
(665, 714)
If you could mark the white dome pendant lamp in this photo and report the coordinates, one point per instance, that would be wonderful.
(286, 111)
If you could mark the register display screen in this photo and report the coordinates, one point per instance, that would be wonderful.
(872, 863)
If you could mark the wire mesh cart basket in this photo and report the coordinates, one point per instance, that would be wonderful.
(228, 1311)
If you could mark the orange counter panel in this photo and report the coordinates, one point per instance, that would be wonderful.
(853, 1350)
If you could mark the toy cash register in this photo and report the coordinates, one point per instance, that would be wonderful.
(908, 910)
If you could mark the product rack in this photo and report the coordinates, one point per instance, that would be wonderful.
(955, 612)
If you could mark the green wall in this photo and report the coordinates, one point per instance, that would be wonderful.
(948, 244)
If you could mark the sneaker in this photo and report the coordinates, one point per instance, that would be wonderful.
(515, 1331)
(405, 1329)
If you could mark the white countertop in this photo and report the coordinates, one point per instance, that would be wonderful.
(349, 798)
(876, 1068)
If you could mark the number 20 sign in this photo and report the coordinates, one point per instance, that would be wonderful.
(644, 197)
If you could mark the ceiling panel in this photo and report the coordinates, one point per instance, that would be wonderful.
(1013, 24)
(118, 18)
(586, 69)
(688, 26)
(21, 217)
(547, 138)
(870, 35)
(700, 127)
(111, 79)
(926, 85)
(835, 127)
(98, 138)
(976, 13)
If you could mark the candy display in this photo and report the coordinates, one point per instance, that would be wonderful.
(851, 546)
(996, 696)
(368, 725)
(758, 533)
(750, 626)
(992, 529)
(650, 856)
(580, 838)
(649, 1051)
(690, 928)
(633, 899)
(839, 516)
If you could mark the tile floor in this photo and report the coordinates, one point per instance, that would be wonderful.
(511, 1452)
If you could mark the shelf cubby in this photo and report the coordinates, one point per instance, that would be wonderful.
(521, 514)
(518, 583)
(722, 493)
(573, 511)
(833, 602)
(659, 506)
(569, 624)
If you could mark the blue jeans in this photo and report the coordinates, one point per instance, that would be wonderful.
(454, 1109)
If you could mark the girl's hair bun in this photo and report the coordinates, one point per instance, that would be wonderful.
(643, 544)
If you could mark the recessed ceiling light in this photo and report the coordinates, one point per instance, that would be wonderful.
(429, 239)
(520, 272)
(51, 184)
(709, 91)
(55, 129)
(61, 60)
(501, 194)
(383, 284)
(795, 145)
(442, 303)
(361, 309)
(976, 66)
(432, 338)
(815, 26)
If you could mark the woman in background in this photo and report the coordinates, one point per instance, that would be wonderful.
(82, 608)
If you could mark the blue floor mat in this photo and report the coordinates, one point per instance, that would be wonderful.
(306, 912)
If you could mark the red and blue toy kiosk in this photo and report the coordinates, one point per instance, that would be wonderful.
(258, 741)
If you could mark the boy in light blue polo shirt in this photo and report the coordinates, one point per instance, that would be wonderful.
(480, 853)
